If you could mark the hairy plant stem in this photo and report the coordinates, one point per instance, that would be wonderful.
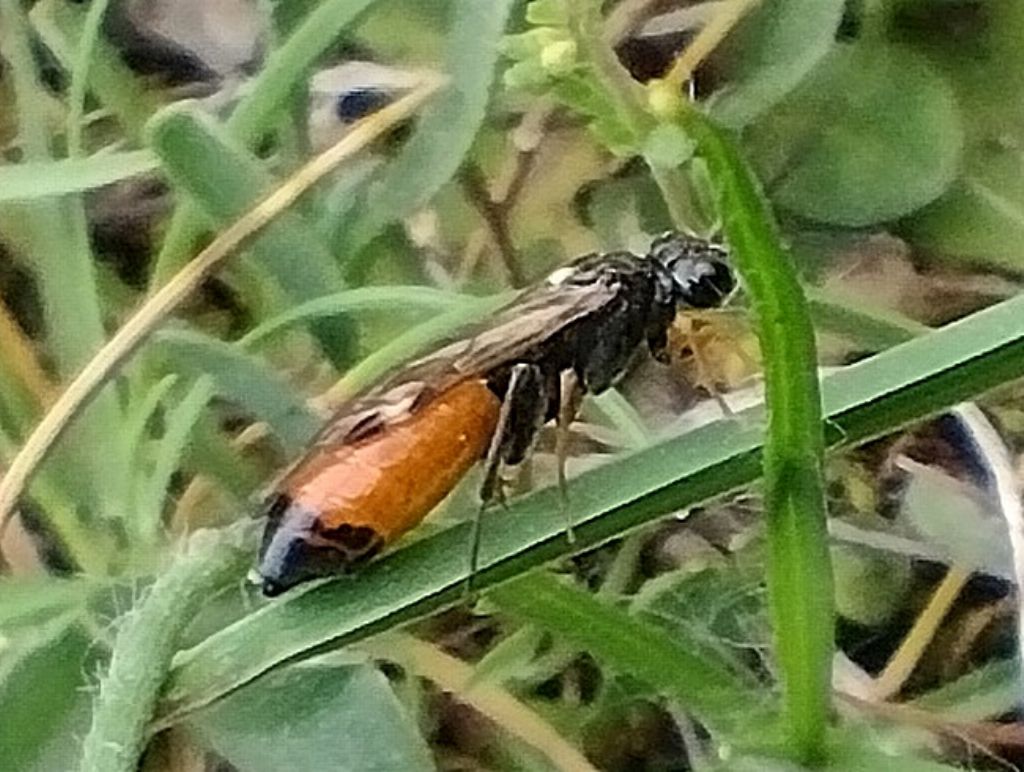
(799, 568)
(147, 641)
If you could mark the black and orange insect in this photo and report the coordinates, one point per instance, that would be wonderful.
(386, 459)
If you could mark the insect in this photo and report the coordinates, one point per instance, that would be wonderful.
(386, 459)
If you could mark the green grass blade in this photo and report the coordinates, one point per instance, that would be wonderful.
(61, 25)
(417, 340)
(30, 96)
(289, 66)
(675, 665)
(226, 181)
(80, 74)
(142, 410)
(213, 454)
(287, 69)
(60, 255)
(40, 179)
(243, 379)
(179, 423)
(618, 412)
(391, 299)
(60, 252)
(876, 329)
(876, 396)
(991, 690)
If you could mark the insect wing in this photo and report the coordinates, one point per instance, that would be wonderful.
(526, 322)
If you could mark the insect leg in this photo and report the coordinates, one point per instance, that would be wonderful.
(569, 397)
(704, 370)
(522, 413)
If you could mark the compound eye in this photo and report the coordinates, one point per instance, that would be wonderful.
(702, 283)
(360, 102)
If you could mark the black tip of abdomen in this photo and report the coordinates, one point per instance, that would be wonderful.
(272, 588)
(284, 553)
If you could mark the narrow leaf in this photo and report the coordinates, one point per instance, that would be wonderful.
(31, 180)
(878, 395)
(243, 379)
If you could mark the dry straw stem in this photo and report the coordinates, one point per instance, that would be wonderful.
(708, 40)
(624, 18)
(166, 301)
(456, 677)
(1006, 490)
(20, 358)
(902, 663)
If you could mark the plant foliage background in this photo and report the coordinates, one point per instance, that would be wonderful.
(863, 160)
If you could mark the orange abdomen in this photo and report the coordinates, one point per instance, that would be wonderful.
(390, 481)
(344, 501)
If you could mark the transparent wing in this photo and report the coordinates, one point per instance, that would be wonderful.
(526, 322)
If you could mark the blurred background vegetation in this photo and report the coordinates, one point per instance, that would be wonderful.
(887, 136)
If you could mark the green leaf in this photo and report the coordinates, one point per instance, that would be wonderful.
(864, 401)
(872, 135)
(110, 80)
(389, 300)
(417, 340)
(620, 413)
(27, 601)
(678, 664)
(260, 110)
(510, 657)
(139, 415)
(288, 67)
(854, 746)
(981, 218)
(549, 12)
(869, 326)
(61, 748)
(22, 182)
(667, 146)
(770, 52)
(43, 671)
(870, 586)
(178, 425)
(56, 248)
(343, 717)
(983, 59)
(446, 130)
(147, 639)
(86, 51)
(989, 691)
(722, 607)
(741, 763)
(867, 749)
(243, 379)
(226, 181)
(849, 759)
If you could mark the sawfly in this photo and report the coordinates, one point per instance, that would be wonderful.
(387, 458)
